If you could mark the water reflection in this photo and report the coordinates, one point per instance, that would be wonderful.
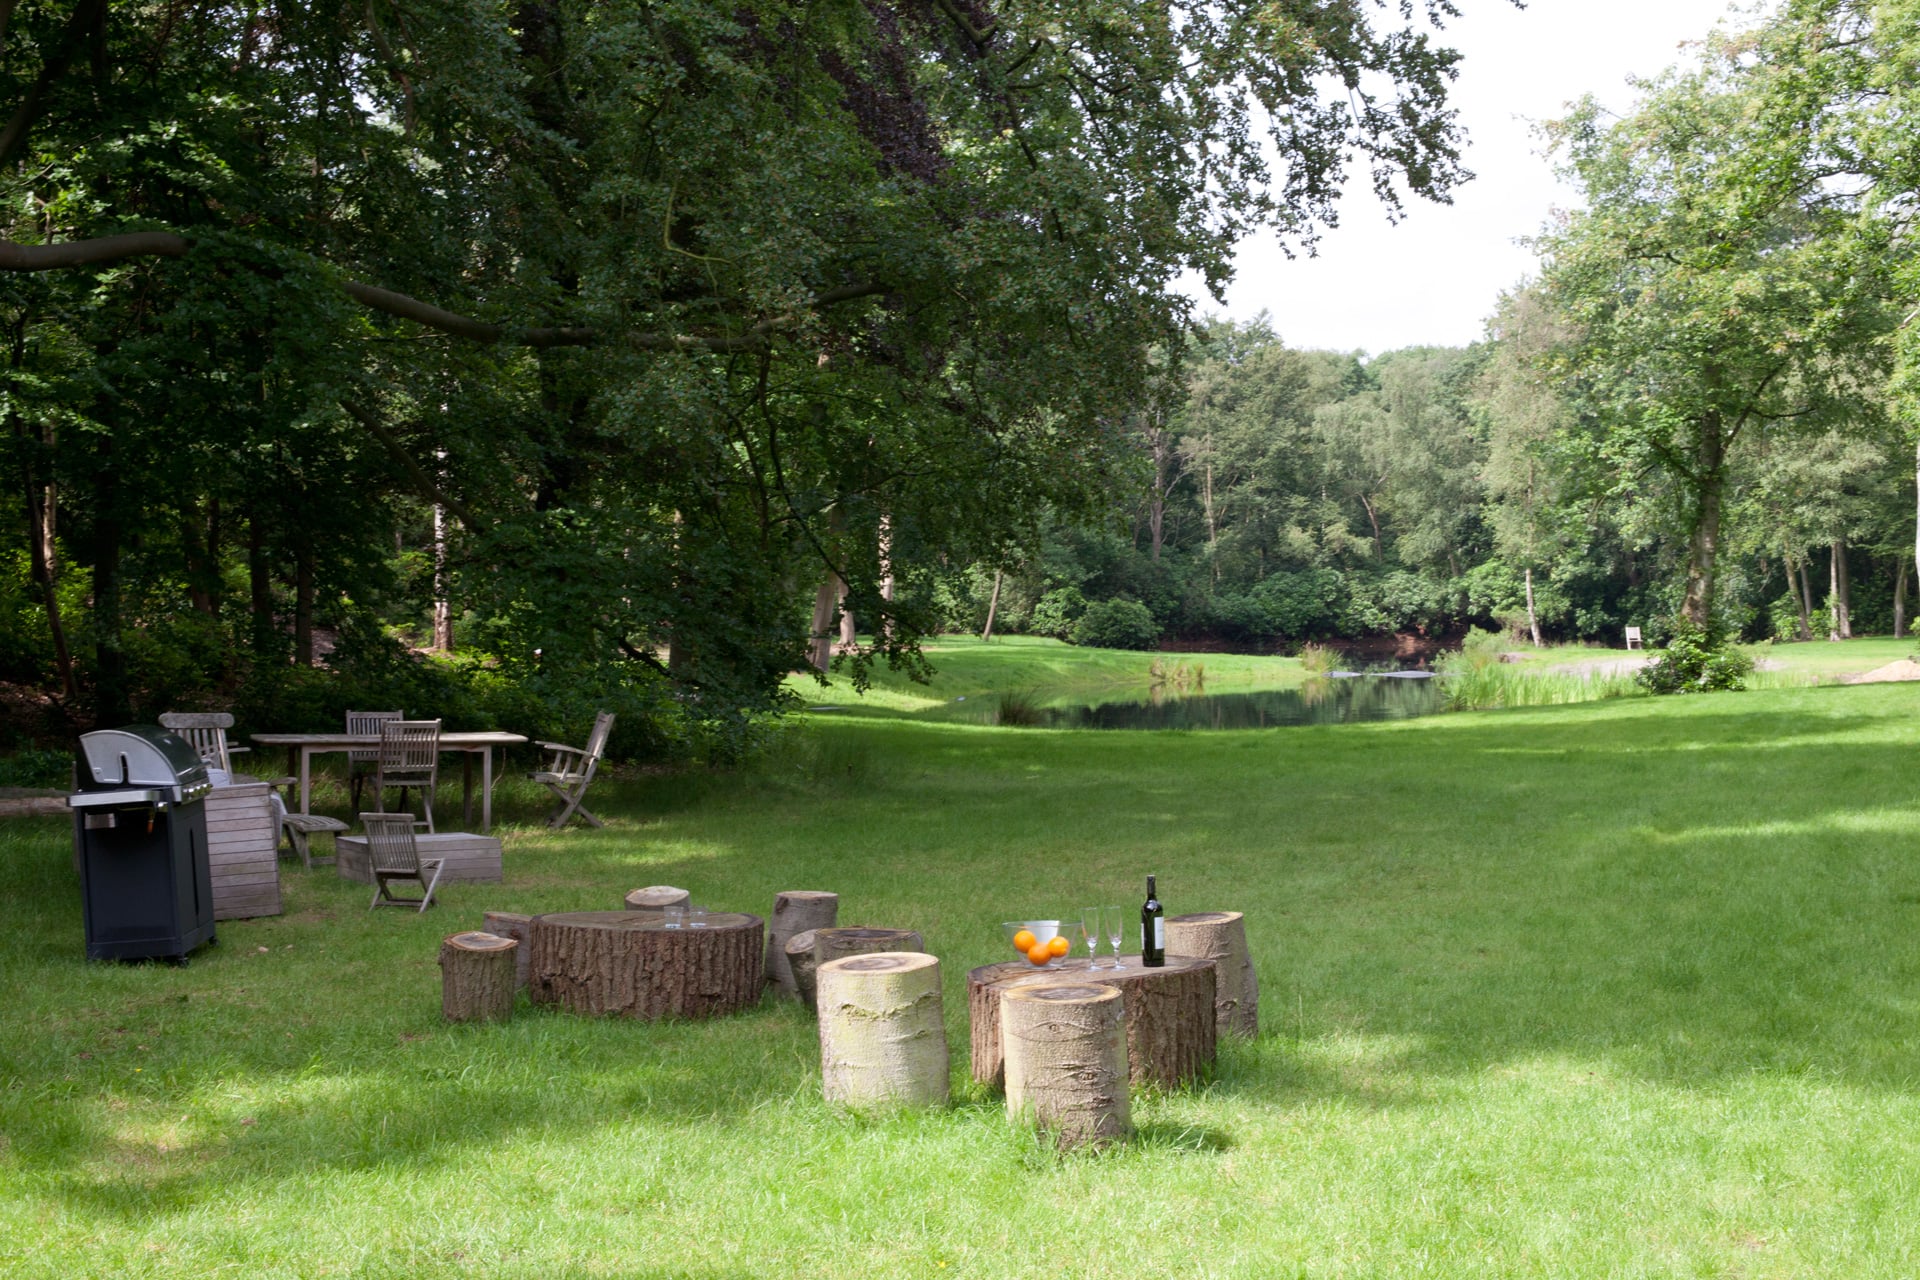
(1320, 701)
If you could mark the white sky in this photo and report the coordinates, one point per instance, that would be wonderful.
(1435, 277)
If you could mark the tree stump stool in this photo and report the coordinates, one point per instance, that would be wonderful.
(883, 1036)
(800, 963)
(656, 898)
(838, 944)
(1169, 1013)
(476, 977)
(1066, 1060)
(795, 911)
(629, 962)
(1221, 936)
(511, 924)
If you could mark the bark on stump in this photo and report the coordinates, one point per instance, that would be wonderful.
(476, 977)
(883, 1037)
(838, 944)
(800, 963)
(629, 962)
(656, 898)
(1066, 1060)
(511, 924)
(1221, 936)
(1169, 1013)
(795, 911)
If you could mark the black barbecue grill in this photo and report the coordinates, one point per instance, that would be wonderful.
(140, 830)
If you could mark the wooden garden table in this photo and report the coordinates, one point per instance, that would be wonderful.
(303, 747)
(631, 963)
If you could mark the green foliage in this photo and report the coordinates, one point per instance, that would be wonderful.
(37, 768)
(1057, 612)
(1117, 624)
(1696, 661)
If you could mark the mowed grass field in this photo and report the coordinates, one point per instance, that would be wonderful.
(1614, 990)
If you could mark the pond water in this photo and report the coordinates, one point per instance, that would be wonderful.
(1342, 699)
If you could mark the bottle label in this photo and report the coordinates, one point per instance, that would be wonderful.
(1159, 933)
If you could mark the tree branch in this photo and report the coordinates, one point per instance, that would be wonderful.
(81, 23)
(166, 244)
(423, 483)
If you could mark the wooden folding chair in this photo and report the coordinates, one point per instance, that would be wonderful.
(409, 757)
(570, 772)
(394, 854)
(361, 760)
(205, 732)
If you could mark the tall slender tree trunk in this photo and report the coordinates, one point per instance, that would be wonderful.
(111, 702)
(442, 589)
(993, 606)
(820, 639)
(886, 572)
(1900, 601)
(1839, 593)
(1533, 623)
(43, 557)
(303, 606)
(1802, 594)
(1379, 547)
(1703, 542)
(260, 585)
(849, 632)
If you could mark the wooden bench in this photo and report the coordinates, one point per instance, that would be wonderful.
(465, 857)
(300, 826)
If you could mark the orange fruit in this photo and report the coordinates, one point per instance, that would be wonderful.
(1059, 946)
(1023, 940)
(1038, 953)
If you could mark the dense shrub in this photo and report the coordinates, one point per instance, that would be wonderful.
(1117, 624)
(1696, 661)
(1057, 612)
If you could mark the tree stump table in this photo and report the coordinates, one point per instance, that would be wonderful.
(1169, 1013)
(629, 962)
(795, 911)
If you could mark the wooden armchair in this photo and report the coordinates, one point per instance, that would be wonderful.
(409, 757)
(393, 854)
(206, 732)
(361, 762)
(570, 771)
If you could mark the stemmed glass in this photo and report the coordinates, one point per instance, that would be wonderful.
(1115, 921)
(1090, 934)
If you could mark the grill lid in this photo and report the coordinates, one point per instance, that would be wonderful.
(140, 755)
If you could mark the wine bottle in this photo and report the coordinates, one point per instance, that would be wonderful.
(1153, 930)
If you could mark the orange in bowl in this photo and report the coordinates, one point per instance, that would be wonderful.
(1039, 953)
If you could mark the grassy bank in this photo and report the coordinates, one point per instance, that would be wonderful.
(1624, 989)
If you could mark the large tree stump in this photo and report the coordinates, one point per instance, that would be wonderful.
(795, 911)
(629, 962)
(656, 898)
(1170, 1020)
(1066, 1060)
(883, 1037)
(511, 924)
(801, 964)
(476, 977)
(1221, 936)
(838, 944)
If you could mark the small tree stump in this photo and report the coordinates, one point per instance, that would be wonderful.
(476, 977)
(1169, 1013)
(1066, 1060)
(800, 963)
(629, 962)
(883, 1037)
(795, 911)
(838, 944)
(511, 924)
(656, 898)
(1221, 936)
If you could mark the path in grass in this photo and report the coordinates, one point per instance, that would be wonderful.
(1625, 989)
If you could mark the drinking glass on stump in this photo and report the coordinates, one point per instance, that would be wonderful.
(1090, 934)
(1115, 922)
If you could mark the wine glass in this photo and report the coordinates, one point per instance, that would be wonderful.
(1115, 920)
(1090, 934)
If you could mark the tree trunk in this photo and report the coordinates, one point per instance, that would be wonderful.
(849, 632)
(1533, 623)
(1839, 604)
(260, 586)
(883, 1034)
(886, 572)
(477, 977)
(627, 962)
(303, 605)
(1703, 541)
(1066, 1061)
(1805, 600)
(442, 588)
(1900, 601)
(838, 944)
(1170, 1014)
(820, 639)
(656, 898)
(800, 963)
(1221, 936)
(110, 693)
(993, 606)
(1379, 546)
(795, 911)
(43, 508)
(511, 924)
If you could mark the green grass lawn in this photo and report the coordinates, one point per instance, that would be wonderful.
(1623, 989)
